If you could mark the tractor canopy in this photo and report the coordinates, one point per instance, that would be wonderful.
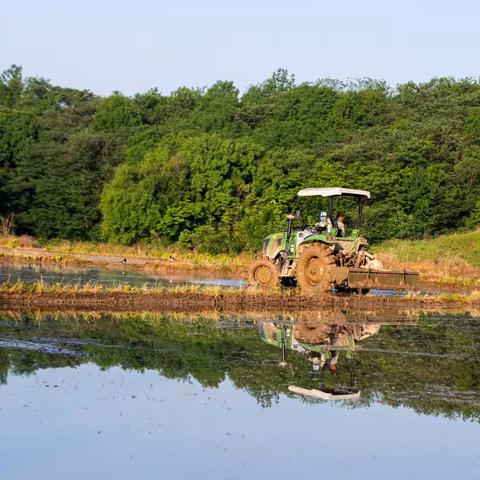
(333, 192)
(330, 193)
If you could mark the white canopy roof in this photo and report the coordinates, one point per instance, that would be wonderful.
(323, 395)
(332, 191)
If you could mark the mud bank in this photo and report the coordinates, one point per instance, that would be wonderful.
(40, 256)
(185, 301)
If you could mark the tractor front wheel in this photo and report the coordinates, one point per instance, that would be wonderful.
(263, 273)
(314, 268)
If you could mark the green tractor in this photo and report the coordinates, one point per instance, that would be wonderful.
(325, 256)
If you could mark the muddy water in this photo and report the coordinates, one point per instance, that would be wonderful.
(108, 278)
(165, 396)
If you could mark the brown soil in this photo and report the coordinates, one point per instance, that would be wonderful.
(171, 301)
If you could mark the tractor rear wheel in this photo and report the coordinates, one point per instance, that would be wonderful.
(263, 273)
(314, 268)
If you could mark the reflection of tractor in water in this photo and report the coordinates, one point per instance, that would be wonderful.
(326, 337)
(321, 257)
(321, 342)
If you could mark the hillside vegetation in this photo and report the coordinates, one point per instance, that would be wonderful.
(217, 170)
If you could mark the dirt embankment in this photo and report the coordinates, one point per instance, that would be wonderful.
(184, 301)
(42, 256)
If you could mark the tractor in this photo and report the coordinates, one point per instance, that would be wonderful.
(325, 255)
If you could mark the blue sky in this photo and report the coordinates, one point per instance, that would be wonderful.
(132, 46)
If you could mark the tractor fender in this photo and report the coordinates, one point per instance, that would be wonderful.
(311, 240)
(273, 245)
(319, 238)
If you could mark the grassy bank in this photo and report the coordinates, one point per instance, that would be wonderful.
(448, 259)
(461, 247)
(201, 261)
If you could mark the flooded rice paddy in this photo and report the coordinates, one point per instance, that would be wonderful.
(109, 278)
(179, 396)
(350, 393)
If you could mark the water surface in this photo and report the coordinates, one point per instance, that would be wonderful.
(174, 396)
(107, 277)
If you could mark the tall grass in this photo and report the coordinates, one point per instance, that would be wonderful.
(197, 260)
(459, 249)
(40, 287)
(452, 259)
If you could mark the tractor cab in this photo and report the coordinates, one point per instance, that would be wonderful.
(326, 229)
(328, 223)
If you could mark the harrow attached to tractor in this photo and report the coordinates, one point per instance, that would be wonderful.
(321, 257)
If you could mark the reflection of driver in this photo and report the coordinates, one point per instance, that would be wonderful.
(332, 363)
(324, 359)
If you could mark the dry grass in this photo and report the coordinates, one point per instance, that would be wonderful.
(199, 260)
(23, 241)
(449, 271)
(446, 260)
(147, 289)
(472, 298)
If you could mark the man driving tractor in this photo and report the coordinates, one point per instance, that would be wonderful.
(340, 225)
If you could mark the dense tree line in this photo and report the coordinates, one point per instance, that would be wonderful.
(216, 170)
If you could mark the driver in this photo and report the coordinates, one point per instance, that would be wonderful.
(340, 224)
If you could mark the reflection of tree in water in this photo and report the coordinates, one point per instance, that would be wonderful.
(211, 350)
(4, 366)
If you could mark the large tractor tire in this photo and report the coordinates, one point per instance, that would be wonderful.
(263, 273)
(314, 269)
